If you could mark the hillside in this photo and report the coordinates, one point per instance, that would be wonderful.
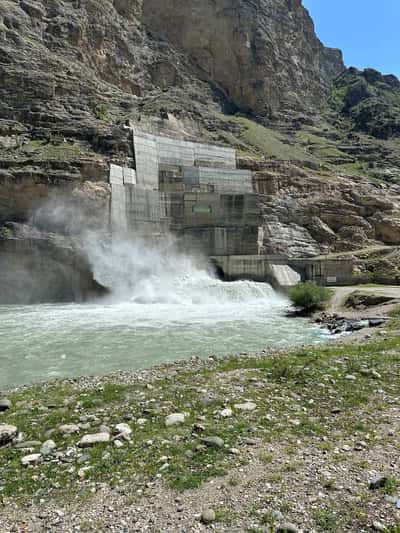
(322, 139)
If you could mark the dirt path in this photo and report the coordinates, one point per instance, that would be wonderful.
(336, 304)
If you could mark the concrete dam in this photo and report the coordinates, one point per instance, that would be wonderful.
(196, 192)
(191, 191)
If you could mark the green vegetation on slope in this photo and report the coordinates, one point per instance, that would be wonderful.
(268, 142)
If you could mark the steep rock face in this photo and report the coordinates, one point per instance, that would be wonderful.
(264, 54)
(68, 66)
(43, 268)
(308, 213)
(73, 72)
(64, 64)
(370, 100)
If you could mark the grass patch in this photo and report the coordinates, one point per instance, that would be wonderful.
(268, 142)
(37, 151)
(327, 521)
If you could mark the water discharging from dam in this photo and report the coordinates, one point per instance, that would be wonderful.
(164, 307)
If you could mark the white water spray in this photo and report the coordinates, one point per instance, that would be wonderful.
(147, 273)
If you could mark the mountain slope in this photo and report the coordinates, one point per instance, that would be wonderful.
(251, 74)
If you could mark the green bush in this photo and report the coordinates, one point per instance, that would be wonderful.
(101, 111)
(309, 296)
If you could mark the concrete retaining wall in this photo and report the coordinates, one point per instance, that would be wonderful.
(221, 240)
(327, 272)
(122, 175)
(202, 210)
(146, 158)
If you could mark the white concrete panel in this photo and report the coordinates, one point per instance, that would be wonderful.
(116, 175)
(146, 156)
(129, 176)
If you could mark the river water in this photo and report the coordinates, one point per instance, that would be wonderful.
(163, 308)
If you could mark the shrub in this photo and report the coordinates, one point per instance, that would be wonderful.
(101, 111)
(310, 297)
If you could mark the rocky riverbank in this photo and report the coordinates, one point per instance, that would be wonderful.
(299, 441)
(357, 311)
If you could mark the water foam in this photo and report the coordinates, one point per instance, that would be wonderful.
(150, 274)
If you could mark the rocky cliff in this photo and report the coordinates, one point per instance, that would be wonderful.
(248, 73)
(64, 61)
(263, 54)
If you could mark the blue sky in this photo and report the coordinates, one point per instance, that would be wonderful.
(368, 31)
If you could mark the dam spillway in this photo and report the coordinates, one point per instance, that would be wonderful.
(195, 192)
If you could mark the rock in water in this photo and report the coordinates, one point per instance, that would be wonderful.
(175, 419)
(87, 441)
(7, 433)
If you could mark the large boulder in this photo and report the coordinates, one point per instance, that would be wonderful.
(387, 228)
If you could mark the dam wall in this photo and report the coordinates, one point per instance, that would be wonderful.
(170, 151)
(285, 272)
(152, 153)
(195, 191)
(191, 189)
(218, 180)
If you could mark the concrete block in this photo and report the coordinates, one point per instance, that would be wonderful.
(116, 175)
(129, 176)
